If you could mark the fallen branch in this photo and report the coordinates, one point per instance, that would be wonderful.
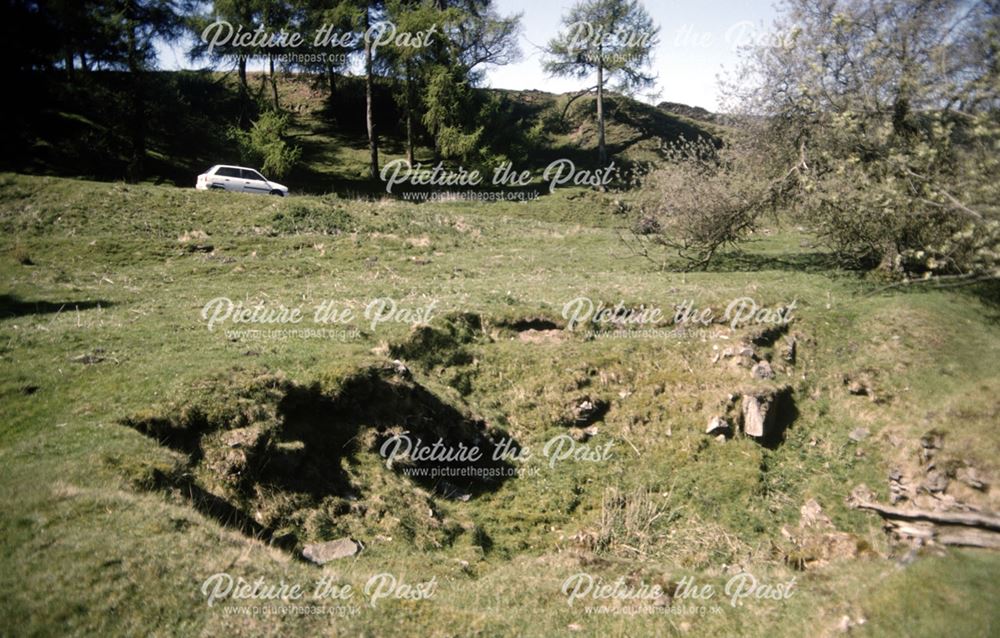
(970, 519)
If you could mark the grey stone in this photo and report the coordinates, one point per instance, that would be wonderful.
(762, 371)
(790, 350)
(717, 425)
(858, 388)
(937, 481)
(321, 553)
(932, 441)
(759, 409)
(858, 434)
(970, 477)
(755, 411)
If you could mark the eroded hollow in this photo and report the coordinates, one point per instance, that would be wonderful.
(530, 323)
(293, 463)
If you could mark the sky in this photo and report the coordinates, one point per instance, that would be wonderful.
(697, 41)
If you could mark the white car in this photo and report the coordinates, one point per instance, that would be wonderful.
(239, 179)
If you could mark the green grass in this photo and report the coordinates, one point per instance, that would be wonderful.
(98, 269)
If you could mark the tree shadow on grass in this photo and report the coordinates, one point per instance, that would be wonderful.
(329, 429)
(985, 291)
(14, 306)
(811, 262)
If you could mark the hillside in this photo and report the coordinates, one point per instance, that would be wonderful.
(145, 450)
(73, 128)
(693, 112)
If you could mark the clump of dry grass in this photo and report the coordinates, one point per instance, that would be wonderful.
(639, 523)
(632, 522)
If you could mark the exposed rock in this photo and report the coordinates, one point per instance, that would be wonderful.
(582, 435)
(586, 410)
(762, 371)
(846, 623)
(861, 383)
(898, 491)
(860, 495)
(321, 553)
(859, 434)
(744, 350)
(195, 241)
(811, 515)
(193, 235)
(933, 440)
(936, 481)
(816, 542)
(90, 358)
(790, 351)
(742, 355)
(754, 415)
(759, 410)
(858, 388)
(970, 477)
(930, 443)
(399, 368)
(945, 502)
(717, 425)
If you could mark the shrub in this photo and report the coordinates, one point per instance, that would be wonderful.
(890, 111)
(704, 198)
(264, 144)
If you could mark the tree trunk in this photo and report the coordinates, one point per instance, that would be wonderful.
(244, 93)
(138, 116)
(602, 154)
(409, 115)
(332, 79)
(370, 113)
(274, 82)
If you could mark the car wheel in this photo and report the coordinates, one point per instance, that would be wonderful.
(278, 193)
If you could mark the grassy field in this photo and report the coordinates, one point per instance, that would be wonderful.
(108, 530)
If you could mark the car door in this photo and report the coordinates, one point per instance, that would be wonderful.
(253, 182)
(228, 178)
